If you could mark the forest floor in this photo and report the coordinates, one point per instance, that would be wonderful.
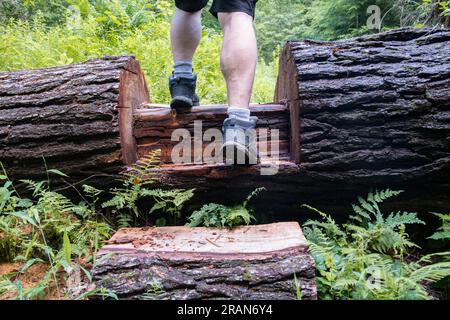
(34, 276)
(31, 278)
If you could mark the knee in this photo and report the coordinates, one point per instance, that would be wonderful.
(234, 19)
(188, 14)
(190, 7)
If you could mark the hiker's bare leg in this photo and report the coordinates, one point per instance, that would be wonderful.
(238, 64)
(185, 34)
(239, 56)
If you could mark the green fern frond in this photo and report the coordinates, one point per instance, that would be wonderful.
(124, 220)
(402, 218)
(144, 171)
(433, 272)
(443, 233)
(253, 194)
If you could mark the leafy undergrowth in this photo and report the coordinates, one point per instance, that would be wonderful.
(371, 257)
(48, 243)
(21, 281)
(215, 215)
(49, 229)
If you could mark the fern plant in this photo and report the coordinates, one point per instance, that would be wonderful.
(136, 186)
(48, 228)
(443, 232)
(364, 259)
(219, 216)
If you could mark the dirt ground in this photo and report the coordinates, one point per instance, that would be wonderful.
(29, 279)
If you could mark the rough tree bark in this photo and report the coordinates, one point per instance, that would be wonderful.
(77, 117)
(251, 262)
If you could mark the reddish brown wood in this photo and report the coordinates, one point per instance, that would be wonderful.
(133, 93)
(154, 125)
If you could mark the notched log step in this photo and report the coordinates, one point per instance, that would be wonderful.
(249, 262)
(155, 125)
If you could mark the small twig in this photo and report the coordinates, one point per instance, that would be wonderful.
(82, 181)
(214, 244)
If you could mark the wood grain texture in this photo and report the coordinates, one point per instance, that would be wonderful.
(250, 262)
(155, 124)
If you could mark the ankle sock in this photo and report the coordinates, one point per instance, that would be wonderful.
(238, 112)
(183, 69)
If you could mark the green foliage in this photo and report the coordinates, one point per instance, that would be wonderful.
(126, 27)
(215, 215)
(364, 259)
(124, 203)
(298, 288)
(53, 12)
(48, 228)
(383, 234)
(169, 201)
(444, 232)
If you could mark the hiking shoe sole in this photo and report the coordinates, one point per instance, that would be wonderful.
(182, 104)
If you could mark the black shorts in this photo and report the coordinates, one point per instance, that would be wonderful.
(247, 6)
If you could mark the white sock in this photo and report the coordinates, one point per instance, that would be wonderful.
(183, 69)
(238, 112)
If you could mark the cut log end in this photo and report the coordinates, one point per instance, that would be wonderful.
(133, 93)
(250, 262)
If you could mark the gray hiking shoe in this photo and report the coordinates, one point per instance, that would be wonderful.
(239, 146)
(183, 93)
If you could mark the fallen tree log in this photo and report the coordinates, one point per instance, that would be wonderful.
(353, 115)
(154, 126)
(246, 263)
(77, 117)
(366, 113)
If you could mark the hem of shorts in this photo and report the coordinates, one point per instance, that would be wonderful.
(215, 13)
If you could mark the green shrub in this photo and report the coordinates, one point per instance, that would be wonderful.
(365, 258)
(444, 231)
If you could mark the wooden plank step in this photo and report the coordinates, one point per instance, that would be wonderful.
(248, 262)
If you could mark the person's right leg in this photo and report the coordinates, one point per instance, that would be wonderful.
(238, 63)
(239, 56)
(185, 36)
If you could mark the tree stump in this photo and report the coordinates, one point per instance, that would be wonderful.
(249, 262)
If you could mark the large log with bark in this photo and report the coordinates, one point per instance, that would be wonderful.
(77, 117)
(365, 113)
(352, 115)
(267, 262)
